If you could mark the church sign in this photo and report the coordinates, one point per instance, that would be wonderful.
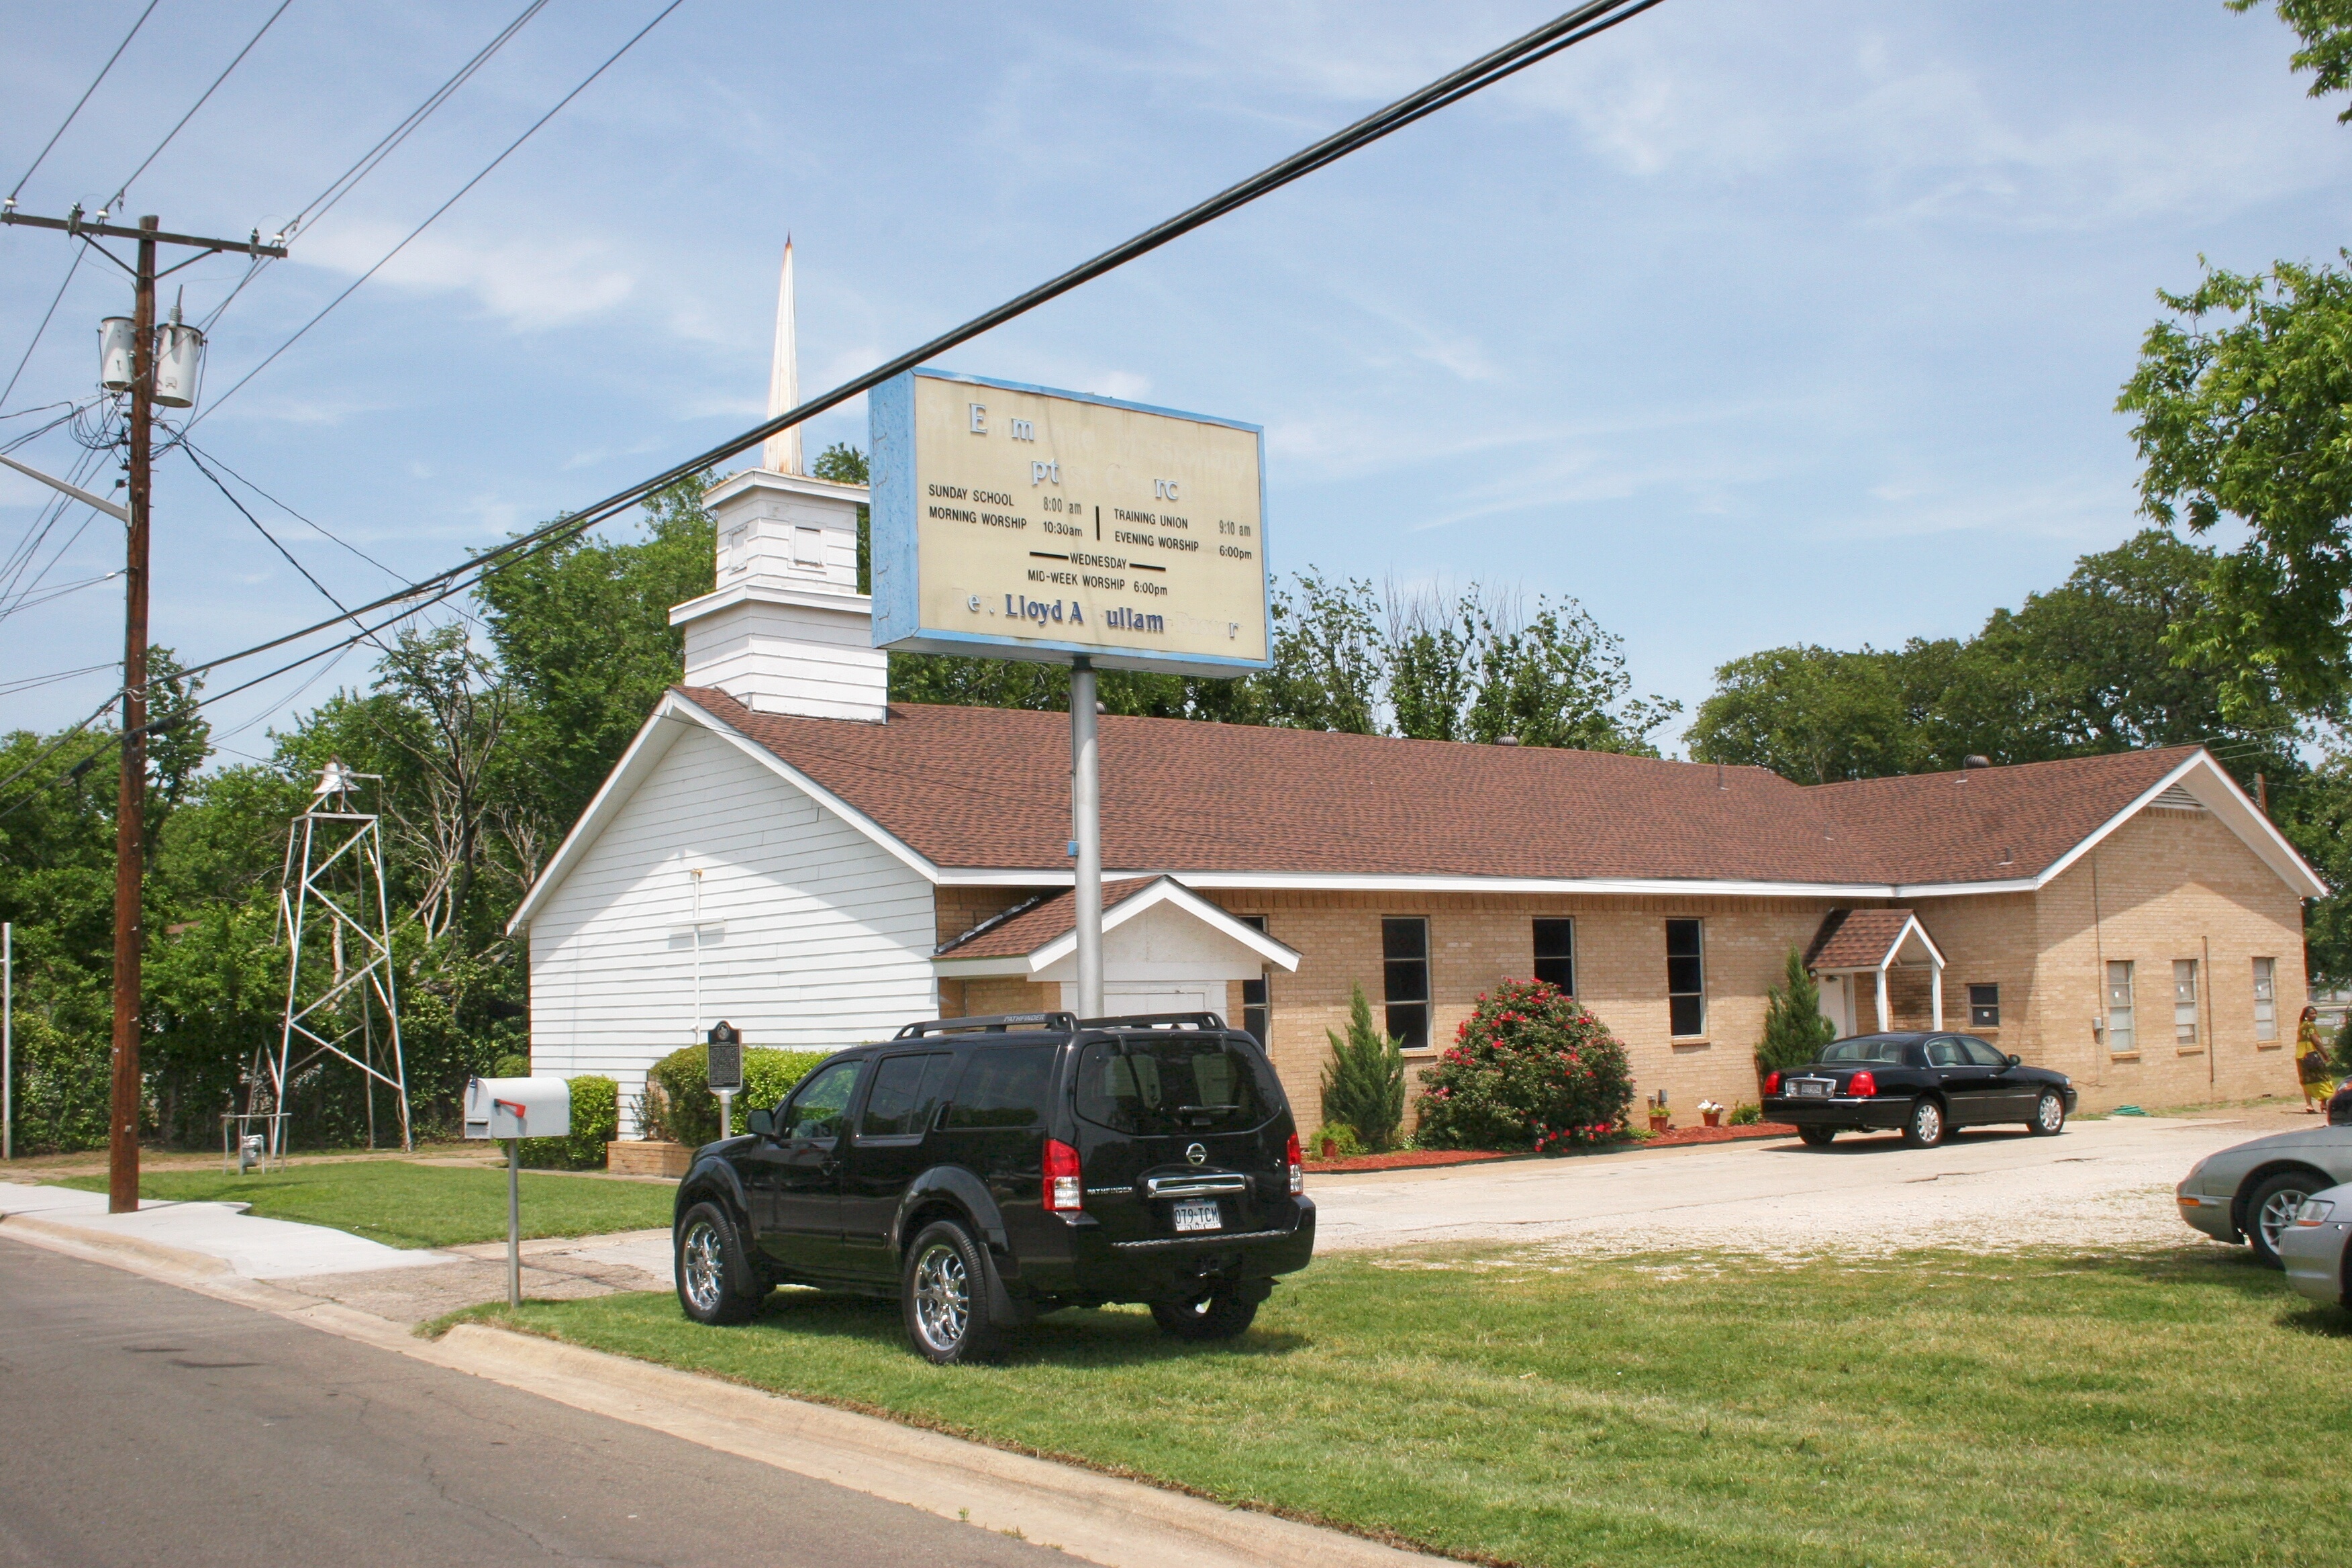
(1012, 521)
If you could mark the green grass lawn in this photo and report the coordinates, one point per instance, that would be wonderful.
(404, 1204)
(2176, 1408)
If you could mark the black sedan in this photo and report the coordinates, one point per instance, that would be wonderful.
(1926, 1084)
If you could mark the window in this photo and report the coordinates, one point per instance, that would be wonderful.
(1168, 1084)
(1984, 1007)
(905, 1089)
(1685, 980)
(1257, 1002)
(1556, 953)
(817, 1109)
(2120, 1040)
(1980, 1054)
(2266, 998)
(1404, 954)
(2184, 1000)
(1002, 1087)
(1946, 1053)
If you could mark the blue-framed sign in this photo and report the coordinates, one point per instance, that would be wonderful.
(1014, 521)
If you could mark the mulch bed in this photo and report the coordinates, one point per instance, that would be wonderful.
(1411, 1159)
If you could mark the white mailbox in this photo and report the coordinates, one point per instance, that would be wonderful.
(517, 1108)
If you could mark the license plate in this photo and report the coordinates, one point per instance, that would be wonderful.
(1811, 1086)
(1198, 1214)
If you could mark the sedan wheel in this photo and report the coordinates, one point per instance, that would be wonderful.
(2049, 1114)
(1923, 1129)
(2271, 1209)
(1817, 1136)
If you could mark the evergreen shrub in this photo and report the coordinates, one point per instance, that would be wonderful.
(1794, 1029)
(1529, 1069)
(1363, 1083)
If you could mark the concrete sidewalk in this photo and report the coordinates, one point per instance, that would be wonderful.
(253, 1247)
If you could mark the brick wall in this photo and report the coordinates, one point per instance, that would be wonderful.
(2167, 885)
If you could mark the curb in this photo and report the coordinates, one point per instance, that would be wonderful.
(1087, 1515)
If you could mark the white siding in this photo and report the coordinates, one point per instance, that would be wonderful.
(812, 936)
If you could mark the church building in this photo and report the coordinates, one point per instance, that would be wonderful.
(783, 847)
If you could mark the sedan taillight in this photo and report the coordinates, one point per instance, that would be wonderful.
(1861, 1085)
(1773, 1082)
(1298, 1167)
(1062, 1195)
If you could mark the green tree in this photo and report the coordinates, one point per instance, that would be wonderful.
(2242, 407)
(1794, 1029)
(1363, 1083)
(1815, 715)
(582, 631)
(2325, 28)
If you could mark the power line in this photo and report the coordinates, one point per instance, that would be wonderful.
(73, 267)
(114, 203)
(435, 213)
(342, 186)
(85, 97)
(318, 528)
(275, 542)
(1571, 27)
(11, 688)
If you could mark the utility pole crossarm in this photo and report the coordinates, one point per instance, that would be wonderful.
(72, 223)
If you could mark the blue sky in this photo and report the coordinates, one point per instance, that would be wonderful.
(1747, 323)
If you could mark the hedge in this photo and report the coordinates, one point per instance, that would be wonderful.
(680, 1108)
(596, 1121)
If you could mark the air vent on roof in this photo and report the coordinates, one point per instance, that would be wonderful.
(2178, 798)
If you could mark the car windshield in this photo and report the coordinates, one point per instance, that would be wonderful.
(1166, 1083)
(1868, 1048)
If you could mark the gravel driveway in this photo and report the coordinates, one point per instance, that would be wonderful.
(2105, 1183)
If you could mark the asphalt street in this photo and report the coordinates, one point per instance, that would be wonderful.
(147, 1423)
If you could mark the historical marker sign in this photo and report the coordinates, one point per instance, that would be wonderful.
(1014, 521)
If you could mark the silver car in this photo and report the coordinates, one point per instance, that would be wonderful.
(2251, 1192)
(2313, 1246)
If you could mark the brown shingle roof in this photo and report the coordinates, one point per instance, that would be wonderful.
(1856, 939)
(1027, 927)
(988, 787)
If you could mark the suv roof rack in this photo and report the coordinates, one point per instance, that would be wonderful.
(993, 1024)
(1156, 1021)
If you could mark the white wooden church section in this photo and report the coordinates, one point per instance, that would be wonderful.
(812, 936)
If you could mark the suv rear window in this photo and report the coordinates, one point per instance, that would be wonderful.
(1174, 1083)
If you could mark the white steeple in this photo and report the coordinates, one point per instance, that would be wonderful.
(785, 629)
(781, 453)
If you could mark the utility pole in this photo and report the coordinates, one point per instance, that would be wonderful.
(130, 797)
(131, 800)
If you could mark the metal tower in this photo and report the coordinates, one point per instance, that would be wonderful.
(336, 918)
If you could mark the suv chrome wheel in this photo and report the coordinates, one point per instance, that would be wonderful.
(702, 1265)
(942, 1297)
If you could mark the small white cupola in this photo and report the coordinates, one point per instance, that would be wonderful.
(785, 629)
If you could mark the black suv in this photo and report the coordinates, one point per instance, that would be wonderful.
(990, 1168)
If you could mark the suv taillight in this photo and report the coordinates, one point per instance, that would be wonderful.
(1861, 1085)
(1062, 1195)
(1298, 1167)
(1773, 1082)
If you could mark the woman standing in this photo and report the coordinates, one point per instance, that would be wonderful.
(2311, 1064)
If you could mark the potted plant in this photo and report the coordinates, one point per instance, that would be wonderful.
(1711, 1112)
(1660, 1118)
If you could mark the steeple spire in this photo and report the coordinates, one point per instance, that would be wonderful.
(782, 452)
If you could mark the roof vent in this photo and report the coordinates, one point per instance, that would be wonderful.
(1974, 761)
(1506, 740)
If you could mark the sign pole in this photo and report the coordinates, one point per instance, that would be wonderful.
(1085, 833)
(514, 1221)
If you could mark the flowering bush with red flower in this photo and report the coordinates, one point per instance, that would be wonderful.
(1529, 1069)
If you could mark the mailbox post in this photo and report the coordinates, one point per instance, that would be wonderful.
(725, 1072)
(515, 1109)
